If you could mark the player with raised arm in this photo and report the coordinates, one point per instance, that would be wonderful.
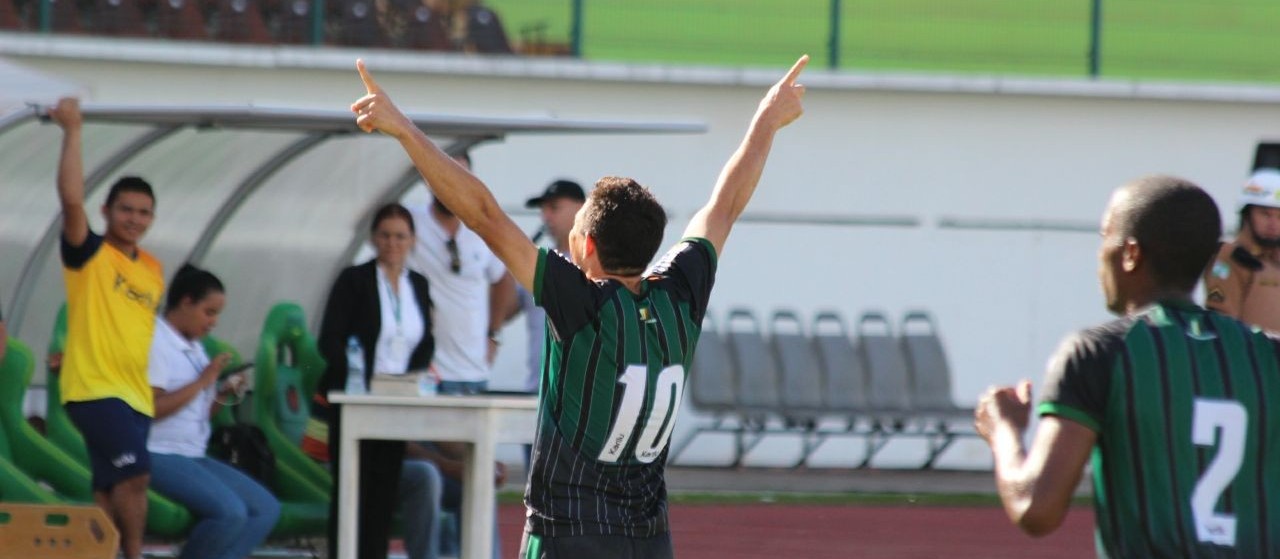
(621, 333)
(113, 290)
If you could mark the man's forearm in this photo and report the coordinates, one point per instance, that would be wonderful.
(1009, 455)
(454, 186)
(502, 302)
(70, 169)
(742, 173)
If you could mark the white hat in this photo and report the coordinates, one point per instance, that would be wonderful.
(1263, 189)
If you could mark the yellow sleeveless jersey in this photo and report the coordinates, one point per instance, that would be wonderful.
(111, 314)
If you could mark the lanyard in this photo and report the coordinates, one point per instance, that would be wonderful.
(395, 300)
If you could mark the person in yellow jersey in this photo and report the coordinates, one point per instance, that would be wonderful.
(113, 290)
(1243, 281)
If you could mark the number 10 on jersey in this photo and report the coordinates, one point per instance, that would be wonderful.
(656, 431)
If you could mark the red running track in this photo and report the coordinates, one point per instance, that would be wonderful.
(769, 531)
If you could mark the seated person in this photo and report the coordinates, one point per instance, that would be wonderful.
(234, 513)
(431, 480)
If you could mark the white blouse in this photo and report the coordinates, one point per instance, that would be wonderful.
(174, 363)
(403, 324)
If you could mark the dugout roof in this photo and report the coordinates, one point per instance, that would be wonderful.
(273, 200)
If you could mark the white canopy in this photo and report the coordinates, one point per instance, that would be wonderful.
(274, 200)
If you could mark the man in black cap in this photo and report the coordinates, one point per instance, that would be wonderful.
(559, 203)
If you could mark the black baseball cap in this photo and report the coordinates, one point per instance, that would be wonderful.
(559, 189)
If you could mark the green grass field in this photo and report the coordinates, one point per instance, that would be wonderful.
(1198, 40)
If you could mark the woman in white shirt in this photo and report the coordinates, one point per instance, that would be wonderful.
(234, 513)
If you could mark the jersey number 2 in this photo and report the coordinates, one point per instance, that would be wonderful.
(1210, 418)
(662, 418)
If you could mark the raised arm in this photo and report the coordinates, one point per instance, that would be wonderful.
(75, 222)
(737, 182)
(454, 186)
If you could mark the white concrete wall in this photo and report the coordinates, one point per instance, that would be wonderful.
(991, 150)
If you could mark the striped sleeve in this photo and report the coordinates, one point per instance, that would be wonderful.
(564, 291)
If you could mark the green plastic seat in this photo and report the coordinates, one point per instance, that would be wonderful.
(32, 453)
(15, 485)
(287, 370)
(57, 425)
(303, 508)
(66, 468)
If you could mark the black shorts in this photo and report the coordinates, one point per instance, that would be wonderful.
(596, 547)
(116, 437)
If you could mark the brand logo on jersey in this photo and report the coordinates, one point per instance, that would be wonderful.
(646, 317)
(1195, 332)
(125, 459)
(132, 293)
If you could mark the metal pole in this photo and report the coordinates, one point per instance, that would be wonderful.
(46, 16)
(317, 22)
(575, 29)
(833, 41)
(1095, 40)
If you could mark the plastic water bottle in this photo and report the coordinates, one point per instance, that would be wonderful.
(426, 384)
(355, 367)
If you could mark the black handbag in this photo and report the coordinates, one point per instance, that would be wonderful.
(245, 446)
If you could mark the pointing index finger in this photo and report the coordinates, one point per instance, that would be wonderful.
(369, 85)
(794, 72)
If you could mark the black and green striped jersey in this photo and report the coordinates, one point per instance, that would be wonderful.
(1184, 402)
(613, 373)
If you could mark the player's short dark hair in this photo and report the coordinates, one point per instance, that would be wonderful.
(130, 184)
(626, 222)
(193, 283)
(389, 211)
(1176, 224)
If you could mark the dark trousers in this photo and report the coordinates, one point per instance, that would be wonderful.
(380, 463)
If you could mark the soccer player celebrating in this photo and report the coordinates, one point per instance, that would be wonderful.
(1173, 401)
(622, 334)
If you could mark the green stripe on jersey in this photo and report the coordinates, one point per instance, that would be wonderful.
(1068, 412)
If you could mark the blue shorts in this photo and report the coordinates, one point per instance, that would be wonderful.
(116, 437)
